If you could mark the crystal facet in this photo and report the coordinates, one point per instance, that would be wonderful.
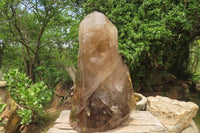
(103, 96)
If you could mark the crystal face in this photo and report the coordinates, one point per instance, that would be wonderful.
(103, 96)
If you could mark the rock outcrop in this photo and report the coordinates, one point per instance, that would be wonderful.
(9, 118)
(59, 94)
(173, 114)
(167, 84)
(62, 94)
(177, 91)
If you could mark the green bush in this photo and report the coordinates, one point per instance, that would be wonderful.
(2, 106)
(31, 97)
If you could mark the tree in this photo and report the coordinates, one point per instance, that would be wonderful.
(194, 65)
(61, 51)
(4, 36)
(2, 46)
(153, 34)
(28, 21)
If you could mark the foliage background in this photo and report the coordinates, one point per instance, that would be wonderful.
(154, 35)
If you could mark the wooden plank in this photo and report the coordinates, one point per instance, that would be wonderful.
(138, 122)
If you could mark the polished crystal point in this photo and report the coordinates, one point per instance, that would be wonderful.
(103, 96)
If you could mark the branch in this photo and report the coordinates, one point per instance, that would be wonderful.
(39, 42)
(6, 21)
(172, 55)
(13, 22)
(21, 41)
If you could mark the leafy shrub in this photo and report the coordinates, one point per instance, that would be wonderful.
(31, 97)
(153, 34)
(2, 107)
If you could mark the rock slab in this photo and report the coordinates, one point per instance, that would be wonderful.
(138, 122)
(173, 114)
(9, 116)
(3, 83)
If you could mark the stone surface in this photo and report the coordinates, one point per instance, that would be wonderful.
(141, 102)
(59, 94)
(177, 92)
(138, 122)
(2, 130)
(103, 96)
(161, 81)
(159, 88)
(175, 89)
(61, 89)
(173, 114)
(161, 77)
(1, 76)
(9, 115)
(4, 93)
(192, 128)
(3, 83)
(198, 86)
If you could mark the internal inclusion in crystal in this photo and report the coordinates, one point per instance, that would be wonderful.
(103, 97)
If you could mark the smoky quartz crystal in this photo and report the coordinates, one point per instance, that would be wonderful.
(103, 97)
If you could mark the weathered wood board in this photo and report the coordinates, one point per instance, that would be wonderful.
(138, 122)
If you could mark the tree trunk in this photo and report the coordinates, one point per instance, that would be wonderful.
(26, 63)
(31, 72)
(29, 64)
(1, 54)
(181, 61)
